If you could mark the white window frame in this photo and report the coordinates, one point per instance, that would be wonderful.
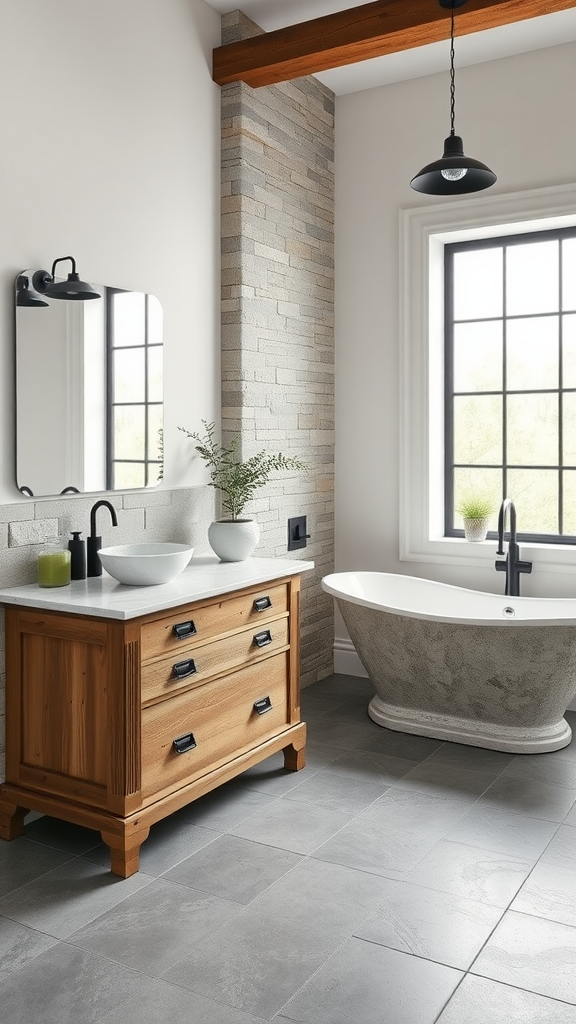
(424, 231)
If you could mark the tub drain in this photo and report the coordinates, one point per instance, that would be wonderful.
(508, 612)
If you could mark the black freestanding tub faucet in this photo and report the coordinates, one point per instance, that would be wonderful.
(512, 564)
(94, 543)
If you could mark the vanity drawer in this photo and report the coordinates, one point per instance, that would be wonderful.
(212, 723)
(165, 676)
(187, 626)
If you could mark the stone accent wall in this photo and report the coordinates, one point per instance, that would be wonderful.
(177, 515)
(278, 314)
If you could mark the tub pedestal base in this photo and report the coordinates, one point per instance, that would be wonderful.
(536, 740)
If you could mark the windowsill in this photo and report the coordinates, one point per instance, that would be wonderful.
(559, 558)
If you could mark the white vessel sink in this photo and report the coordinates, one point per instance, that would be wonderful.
(145, 565)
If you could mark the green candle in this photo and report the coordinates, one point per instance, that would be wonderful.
(54, 568)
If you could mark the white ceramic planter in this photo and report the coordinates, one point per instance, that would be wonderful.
(233, 540)
(475, 530)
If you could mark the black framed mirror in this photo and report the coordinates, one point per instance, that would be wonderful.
(89, 391)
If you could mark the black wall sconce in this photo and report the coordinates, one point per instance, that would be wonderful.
(25, 295)
(455, 173)
(71, 288)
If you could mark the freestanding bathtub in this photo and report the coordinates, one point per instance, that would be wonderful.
(462, 665)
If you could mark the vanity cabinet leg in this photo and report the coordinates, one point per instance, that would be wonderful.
(11, 818)
(294, 759)
(125, 851)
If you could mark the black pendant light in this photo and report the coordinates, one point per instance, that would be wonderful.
(455, 174)
(71, 288)
(25, 295)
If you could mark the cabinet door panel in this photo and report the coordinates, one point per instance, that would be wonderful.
(64, 707)
(219, 718)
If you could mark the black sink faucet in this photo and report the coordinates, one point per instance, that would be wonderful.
(94, 543)
(512, 564)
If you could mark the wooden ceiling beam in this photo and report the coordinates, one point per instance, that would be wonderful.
(372, 30)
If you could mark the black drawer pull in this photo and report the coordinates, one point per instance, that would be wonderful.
(262, 639)
(183, 668)
(184, 743)
(262, 603)
(263, 705)
(183, 629)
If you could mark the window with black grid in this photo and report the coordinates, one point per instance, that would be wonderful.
(510, 379)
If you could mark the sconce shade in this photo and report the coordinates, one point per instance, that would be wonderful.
(71, 288)
(454, 174)
(25, 295)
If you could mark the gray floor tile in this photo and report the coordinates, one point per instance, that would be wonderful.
(345, 734)
(62, 835)
(561, 849)
(531, 953)
(401, 744)
(570, 818)
(256, 963)
(492, 878)
(557, 768)
(234, 869)
(161, 1003)
(69, 897)
(550, 892)
(371, 984)
(533, 798)
(291, 826)
(371, 765)
(352, 782)
(340, 687)
(19, 945)
(351, 713)
(494, 828)
(65, 985)
(461, 755)
(307, 894)
(479, 1001)
(22, 861)
(415, 807)
(169, 842)
(371, 843)
(225, 807)
(155, 927)
(273, 946)
(317, 708)
(435, 925)
(271, 778)
(440, 778)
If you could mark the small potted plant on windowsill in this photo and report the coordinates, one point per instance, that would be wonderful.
(234, 538)
(475, 510)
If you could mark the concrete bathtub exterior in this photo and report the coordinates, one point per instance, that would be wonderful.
(461, 665)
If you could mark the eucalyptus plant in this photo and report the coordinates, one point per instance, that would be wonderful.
(237, 480)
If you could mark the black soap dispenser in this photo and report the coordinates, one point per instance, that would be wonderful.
(77, 548)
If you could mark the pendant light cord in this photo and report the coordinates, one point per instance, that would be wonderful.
(452, 86)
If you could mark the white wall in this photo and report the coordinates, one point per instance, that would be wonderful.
(110, 143)
(516, 115)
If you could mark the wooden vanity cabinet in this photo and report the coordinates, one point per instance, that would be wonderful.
(113, 724)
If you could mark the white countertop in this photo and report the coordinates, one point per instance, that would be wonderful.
(102, 596)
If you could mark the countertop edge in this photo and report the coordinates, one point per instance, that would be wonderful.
(103, 597)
